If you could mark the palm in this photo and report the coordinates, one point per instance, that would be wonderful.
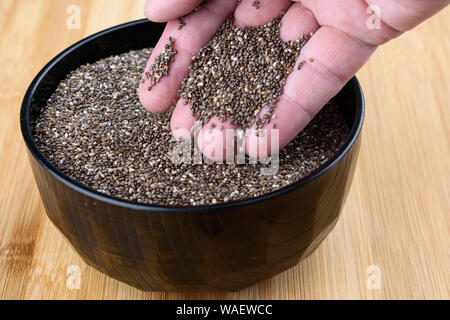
(342, 43)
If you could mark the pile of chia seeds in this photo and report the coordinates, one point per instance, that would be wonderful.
(95, 130)
(240, 74)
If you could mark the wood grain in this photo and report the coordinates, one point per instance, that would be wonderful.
(396, 216)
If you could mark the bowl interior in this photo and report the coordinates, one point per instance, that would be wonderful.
(137, 35)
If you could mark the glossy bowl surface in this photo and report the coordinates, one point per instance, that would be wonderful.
(223, 247)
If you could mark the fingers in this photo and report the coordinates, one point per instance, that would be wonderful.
(335, 58)
(199, 28)
(166, 10)
(331, 58)
(337, 50)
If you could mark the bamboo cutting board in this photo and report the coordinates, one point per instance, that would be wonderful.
(392, 241)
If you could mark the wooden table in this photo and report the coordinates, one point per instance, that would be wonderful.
(396, 218)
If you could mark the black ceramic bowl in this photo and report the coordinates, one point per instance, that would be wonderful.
(161, 248)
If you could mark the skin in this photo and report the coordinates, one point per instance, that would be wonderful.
(340, 46)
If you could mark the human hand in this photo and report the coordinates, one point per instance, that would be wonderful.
(341, 44)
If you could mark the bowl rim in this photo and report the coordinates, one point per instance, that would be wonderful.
(136, 206)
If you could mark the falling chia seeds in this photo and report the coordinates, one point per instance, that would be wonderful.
(94, 130)
(161, 66)
(240, 74)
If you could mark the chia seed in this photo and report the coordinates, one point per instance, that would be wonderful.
(239, 72)
(94, 130)
(181, 23)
